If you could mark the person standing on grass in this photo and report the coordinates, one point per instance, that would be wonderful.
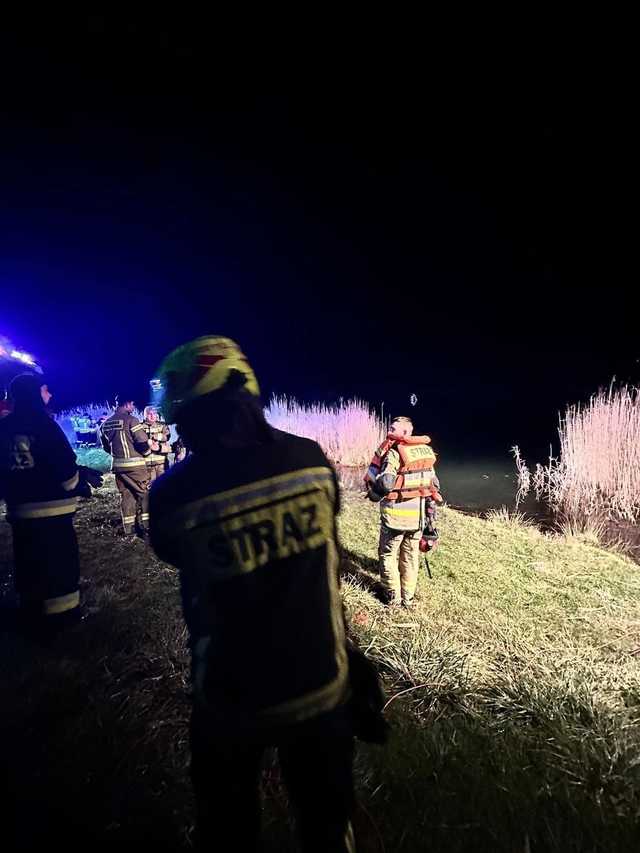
(405, 481)
(249, 520)
(124, 437)
(158, 434)
(38, 479)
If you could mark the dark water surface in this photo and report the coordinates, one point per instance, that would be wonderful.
(480, 484)
(472, 485)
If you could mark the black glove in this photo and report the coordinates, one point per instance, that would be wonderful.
(367, 699)
(89, 479)
(377, 490)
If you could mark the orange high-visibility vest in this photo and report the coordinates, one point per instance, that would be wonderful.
(415, 475)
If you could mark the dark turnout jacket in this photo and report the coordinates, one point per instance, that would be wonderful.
(38, 471)
(252, 531)
(124, 437)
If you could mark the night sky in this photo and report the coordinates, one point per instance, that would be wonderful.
(457, 232)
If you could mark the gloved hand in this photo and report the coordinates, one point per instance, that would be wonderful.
(367, 698)
(377, 489)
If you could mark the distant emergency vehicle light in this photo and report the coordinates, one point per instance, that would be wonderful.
(9, 352)
(24, 357)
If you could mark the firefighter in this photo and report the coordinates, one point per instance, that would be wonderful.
(249, 520)
(124, 437)
(405, 481)
(38, 478)
(158, 434)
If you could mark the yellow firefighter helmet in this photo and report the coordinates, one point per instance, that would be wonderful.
(201, 367)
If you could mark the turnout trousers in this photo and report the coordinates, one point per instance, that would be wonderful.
(399, 552)
(133, 486)
(316, 760)
(47, 571)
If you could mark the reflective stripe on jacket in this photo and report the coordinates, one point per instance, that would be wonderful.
(124, 437)
(399, 514)
(160, 433)
(61, 603)
(38, 469)
(43, 509)
(258, 564)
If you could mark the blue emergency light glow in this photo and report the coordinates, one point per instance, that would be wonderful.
(23, 357)
(8, 351)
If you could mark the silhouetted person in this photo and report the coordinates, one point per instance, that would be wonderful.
(249, 519)
(38, 479)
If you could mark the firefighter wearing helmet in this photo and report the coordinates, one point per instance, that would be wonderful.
(402, 478)
(38, 481)
(249, 520)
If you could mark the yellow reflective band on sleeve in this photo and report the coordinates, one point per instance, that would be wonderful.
(45, 509)
(62, 603)
(137, 427)
(70, 484)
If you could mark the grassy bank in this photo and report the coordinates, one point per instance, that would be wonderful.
(514, 690)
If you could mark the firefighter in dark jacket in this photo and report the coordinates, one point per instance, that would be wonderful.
(158, 434)
(124, 437)
(249, 520)
(38, 478)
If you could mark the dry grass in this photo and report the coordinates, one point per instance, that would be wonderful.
(348, 432)
(598, 471)
(93, 410)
